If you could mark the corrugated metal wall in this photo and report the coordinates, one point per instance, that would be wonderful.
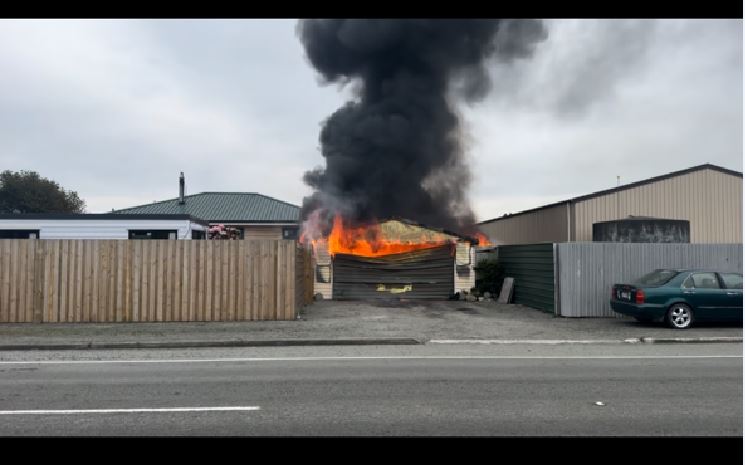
(549, 225)
(419, 274)
(710, 200)
(532, 266)
(587, 270)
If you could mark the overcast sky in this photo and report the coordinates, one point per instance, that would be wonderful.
(116, 109)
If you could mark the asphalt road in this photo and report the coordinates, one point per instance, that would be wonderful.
(686, 389)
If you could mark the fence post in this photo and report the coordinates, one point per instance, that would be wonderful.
(38, 285)
(557, 282)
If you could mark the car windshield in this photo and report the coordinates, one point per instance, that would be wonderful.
(657, 277)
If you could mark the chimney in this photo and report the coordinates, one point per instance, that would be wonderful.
(181, 189)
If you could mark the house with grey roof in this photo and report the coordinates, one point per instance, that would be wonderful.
(254, 215)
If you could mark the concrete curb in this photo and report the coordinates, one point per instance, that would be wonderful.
(633, 340)
(207, 344)
(352, 342)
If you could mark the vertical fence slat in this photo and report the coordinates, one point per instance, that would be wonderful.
(256, 281)
(241, 280)
(182, 279)
(78, 299)
(5, 246)
(160, 275)
(127, 290)
(136, 280)
(152, 277)
(224, 281)
(21, 286)
(63, 280)
(14, 285)
(39, 271)
(121, 280)
(101, 275)
(232, 259)
(54, 282)
(171, 286)
(45, 281)
(196, 279)
(290, 280)
(30, 263)
(268, 274)
(210, 275)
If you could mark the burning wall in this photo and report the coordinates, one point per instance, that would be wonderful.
(389, 239)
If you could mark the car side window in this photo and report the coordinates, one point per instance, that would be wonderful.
(731, 280)
(705, 281)
(688, 283)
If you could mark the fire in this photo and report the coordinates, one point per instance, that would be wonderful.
(483, 239)
(375, 241)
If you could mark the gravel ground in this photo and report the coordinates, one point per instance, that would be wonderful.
(335, 319)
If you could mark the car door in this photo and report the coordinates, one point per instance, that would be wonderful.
(703, 291)
(732, 284)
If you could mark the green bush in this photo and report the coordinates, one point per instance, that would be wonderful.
(489, 277)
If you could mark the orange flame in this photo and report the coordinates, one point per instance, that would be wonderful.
(483, 239)
(370, 241)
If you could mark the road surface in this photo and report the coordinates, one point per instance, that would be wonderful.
(597, 390)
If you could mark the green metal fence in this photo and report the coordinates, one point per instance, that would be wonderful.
(532, 267)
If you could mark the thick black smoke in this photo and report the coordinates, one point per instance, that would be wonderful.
(395, 151)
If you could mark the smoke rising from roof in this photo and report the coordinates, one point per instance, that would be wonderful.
(396, 150)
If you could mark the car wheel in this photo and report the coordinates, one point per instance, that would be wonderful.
(679, 316)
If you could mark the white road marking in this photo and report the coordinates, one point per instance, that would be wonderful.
(127, 410)
(535, 341)
(393, 357)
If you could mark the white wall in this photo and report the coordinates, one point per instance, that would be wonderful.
(464, 283)
(97, 228)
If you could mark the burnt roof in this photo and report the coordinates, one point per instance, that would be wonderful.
(707, 166)
(424, 226)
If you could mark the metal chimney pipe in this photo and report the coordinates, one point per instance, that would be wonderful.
(182, 189)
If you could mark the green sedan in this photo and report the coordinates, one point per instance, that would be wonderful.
(680, 297)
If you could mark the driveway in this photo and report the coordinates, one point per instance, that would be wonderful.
(483, 320)
(423, 320)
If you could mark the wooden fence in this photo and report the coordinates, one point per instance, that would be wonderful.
(150, 280)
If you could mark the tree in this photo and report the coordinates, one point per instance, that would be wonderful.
(27, 192)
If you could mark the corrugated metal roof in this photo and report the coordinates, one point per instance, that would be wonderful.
(225, 207)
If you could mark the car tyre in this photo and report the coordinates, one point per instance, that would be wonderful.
(679, 316)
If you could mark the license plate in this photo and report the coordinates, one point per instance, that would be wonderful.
(626, 295)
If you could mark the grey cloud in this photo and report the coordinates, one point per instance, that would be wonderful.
(115, 109)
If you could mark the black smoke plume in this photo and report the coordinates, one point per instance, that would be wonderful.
(396, 149)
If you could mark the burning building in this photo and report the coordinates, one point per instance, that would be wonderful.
(395, 258)
(396, 150)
